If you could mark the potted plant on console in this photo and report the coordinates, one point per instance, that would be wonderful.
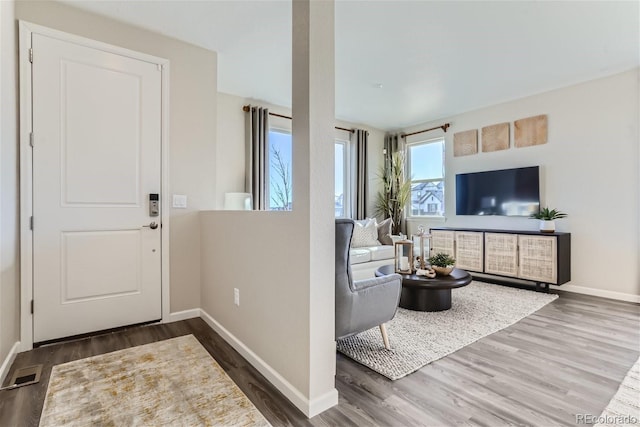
(547, 219)
(442, 263)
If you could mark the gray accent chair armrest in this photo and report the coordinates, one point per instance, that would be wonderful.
(363, 304)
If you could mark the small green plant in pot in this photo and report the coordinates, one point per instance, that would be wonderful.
(442, 263)
(547, 219)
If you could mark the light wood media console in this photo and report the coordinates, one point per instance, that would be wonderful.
(543, 258)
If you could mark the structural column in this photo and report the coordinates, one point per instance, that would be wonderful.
(313, 112)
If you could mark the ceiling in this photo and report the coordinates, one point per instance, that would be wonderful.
(401, 63)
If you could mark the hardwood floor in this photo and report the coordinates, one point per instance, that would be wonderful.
(566, 359)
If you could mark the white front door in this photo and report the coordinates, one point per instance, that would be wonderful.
(96, 160)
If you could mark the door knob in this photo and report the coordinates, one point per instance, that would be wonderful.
(152, 226)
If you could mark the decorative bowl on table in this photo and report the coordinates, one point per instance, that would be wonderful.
(442, 263)
(442, 271)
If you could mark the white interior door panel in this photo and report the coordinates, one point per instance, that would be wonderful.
(96, 159)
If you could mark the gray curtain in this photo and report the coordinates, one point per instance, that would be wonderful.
(257, 156)
(360, 197)
(392, 144)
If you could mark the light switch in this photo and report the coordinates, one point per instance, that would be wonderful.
(180, 201)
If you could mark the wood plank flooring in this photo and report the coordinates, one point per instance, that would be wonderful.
(566, 359)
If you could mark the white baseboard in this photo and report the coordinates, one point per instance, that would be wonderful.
(183, 315)
(598, 293)
(309, 408)
(8, 361)
(322, 403)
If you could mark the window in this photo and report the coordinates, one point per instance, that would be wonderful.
(342, 171)
(279, 174)
(279, 189)
(426, 169)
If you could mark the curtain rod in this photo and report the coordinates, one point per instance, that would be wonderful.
(444, 127)
(246, 109)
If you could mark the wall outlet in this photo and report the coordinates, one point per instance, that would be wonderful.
(236, 296)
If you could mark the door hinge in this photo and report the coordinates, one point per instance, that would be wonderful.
(31, 55)
(31, 306)
(31, 138)
(159, 67)
(31, 223)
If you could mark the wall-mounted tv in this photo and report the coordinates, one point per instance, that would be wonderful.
(509, 192)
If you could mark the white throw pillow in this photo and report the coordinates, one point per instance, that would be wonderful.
(384, 232)
(365, 233)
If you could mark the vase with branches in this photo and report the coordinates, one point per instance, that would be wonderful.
(392, 199)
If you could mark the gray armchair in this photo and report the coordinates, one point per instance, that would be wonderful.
(363, 304)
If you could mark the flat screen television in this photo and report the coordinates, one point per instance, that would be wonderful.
(509, 192)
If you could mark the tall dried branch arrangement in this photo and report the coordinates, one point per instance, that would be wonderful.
(394, 196)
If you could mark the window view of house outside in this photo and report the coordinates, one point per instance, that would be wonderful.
(426, 170)
(425, 164)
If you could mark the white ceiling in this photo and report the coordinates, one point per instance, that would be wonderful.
(433, 58)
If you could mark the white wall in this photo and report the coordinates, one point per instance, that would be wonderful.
(589, 169)
(263, 255)
(9, 264)
(231, 145)
(281, 262)
(192, 127)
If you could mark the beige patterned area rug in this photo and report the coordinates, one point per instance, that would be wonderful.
(172, 382)
(418, 338)
(624, 408)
